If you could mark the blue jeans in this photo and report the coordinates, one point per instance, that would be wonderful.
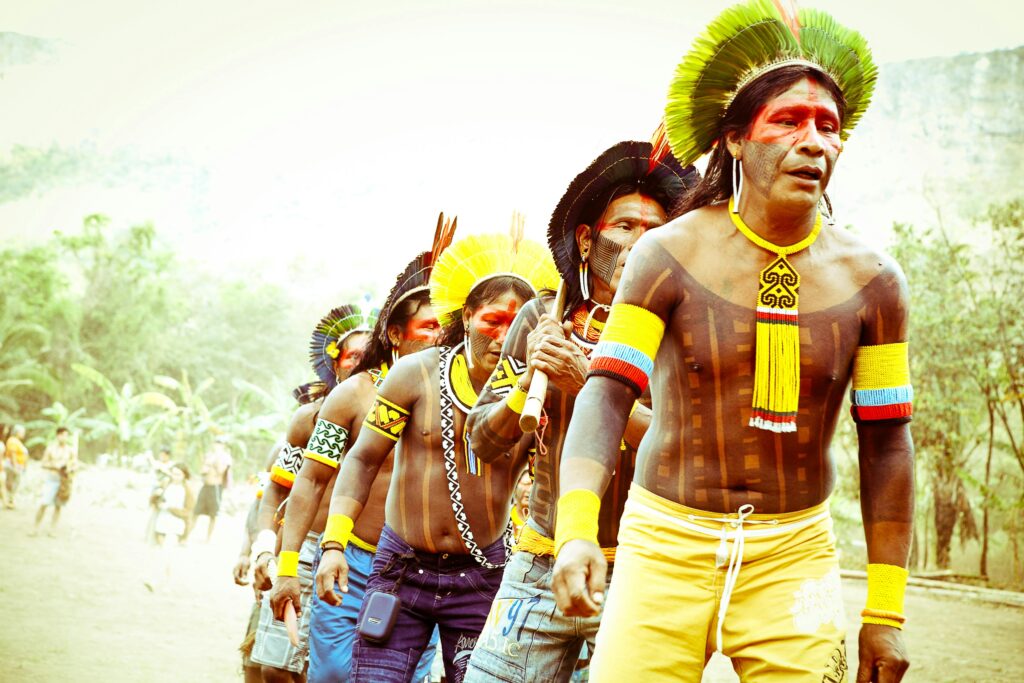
(527, 638)
(450, 591)
(332, 630)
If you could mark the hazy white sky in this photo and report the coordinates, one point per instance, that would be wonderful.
(335, 131)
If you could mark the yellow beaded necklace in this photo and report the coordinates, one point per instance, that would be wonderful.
(777, 357)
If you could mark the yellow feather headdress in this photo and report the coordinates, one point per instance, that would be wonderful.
(475, 259)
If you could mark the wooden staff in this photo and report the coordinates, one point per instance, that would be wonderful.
(530, 418)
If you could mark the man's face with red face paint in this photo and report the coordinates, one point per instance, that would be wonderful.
(791, 148)
(487, 327)
(351, 354)
(623, 222)
(419, 332)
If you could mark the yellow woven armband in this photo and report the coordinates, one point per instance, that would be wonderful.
(886, 585)
(337, 530)
(288, 563)
(516, 400)
(578, 511)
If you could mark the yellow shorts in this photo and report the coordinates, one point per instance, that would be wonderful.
(784, 619)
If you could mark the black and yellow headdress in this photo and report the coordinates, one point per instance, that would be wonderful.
(747, 41)
(472, 261)
(416, 276)
(330, 334)
(657, 174)
(309, 392)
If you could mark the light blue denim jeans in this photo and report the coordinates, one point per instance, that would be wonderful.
(526, 638)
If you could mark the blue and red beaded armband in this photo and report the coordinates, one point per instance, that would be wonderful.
(627, 347)
(881, 384)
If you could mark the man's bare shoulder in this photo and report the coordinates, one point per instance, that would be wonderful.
(867, 263)
(690, 236)
(348, 399)
(302, 422)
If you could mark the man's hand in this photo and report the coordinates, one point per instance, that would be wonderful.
(240, 572)
(579, 579)
(333, 569)
(549, 350)
(286, 589)
(883, 656)
(261, 575)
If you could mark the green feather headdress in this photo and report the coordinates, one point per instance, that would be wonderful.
(743, 43)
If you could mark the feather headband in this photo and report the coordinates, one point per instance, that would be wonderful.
(478, 258)
(747, 41)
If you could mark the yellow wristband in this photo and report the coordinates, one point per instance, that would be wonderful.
(516, 400)
(886, 586)
(578, 511)
(337, 530)
(288, 563)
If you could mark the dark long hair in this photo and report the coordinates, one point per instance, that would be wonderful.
(716, 186)
(484, 293)
(377, 350)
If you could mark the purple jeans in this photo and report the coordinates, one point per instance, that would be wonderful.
(450, 591)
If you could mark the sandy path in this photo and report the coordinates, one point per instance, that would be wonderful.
(75, 607)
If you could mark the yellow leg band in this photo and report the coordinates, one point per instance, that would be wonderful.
(337, 530)
(516, 400)
(288, 563)
(886, 586)
(578, 511)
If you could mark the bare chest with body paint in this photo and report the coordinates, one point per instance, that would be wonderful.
(418, 503)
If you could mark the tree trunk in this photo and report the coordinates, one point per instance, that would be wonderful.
(946, 510)
(983, 565)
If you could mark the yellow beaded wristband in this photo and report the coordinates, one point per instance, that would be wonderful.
(578, 511)
(288, 563)
(516, 400)
(886, 586)
(337, 530)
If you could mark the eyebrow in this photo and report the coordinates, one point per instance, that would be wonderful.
(802, 108)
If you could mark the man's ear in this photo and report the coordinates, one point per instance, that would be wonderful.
(394, 334)
(733, 145)
(583, 240)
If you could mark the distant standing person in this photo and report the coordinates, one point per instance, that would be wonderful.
(3, 468)
(214, 473)
(15, 460)
(59, 462)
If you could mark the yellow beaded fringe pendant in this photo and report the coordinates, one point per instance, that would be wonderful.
(777, 348)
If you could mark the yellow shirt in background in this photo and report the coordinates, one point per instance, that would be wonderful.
(16, 451)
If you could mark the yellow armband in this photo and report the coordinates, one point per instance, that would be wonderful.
(288, 563)
(578, 511)
(516, 400)
(886, 585)
(338, 530)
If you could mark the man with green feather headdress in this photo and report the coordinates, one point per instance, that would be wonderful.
(749, 315)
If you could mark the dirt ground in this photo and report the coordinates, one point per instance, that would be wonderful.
(76, 608)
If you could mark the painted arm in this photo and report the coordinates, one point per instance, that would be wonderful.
(321, 458)
(380, 433)
(882, 407)
(378, 436)
(620, 368)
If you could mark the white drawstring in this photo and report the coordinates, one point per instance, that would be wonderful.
(735, 557)
(738, 535)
